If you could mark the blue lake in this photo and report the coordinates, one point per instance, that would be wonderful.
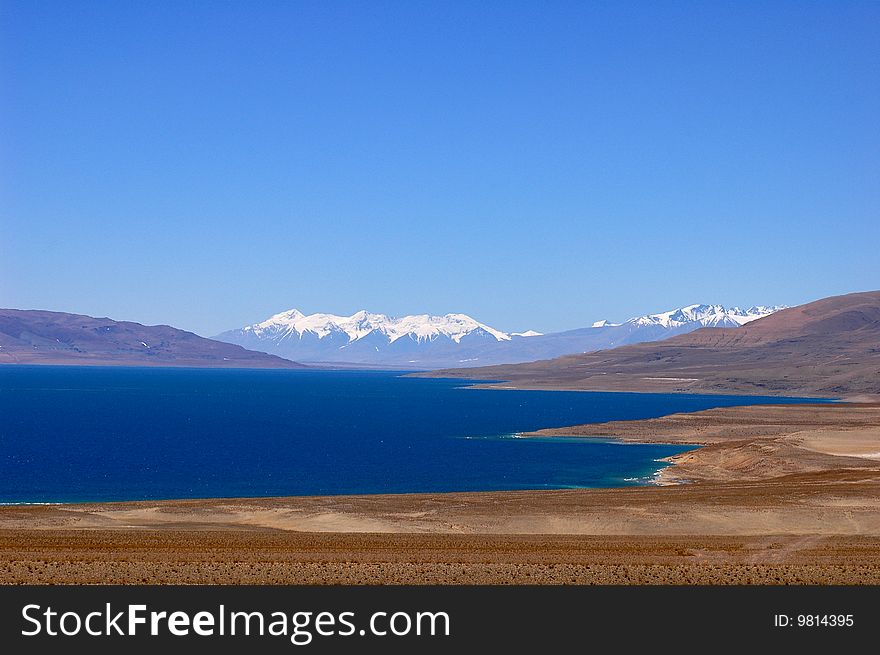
(72, 434)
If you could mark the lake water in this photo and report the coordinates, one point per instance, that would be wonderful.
(72, 434)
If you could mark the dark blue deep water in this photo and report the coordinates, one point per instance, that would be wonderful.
(85, 434)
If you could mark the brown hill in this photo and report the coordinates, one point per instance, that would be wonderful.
(40, 337)
(830, 347)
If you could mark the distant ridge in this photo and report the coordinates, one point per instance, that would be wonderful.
(829, 347)
(703, 315)
(43, 337)
(426, 341)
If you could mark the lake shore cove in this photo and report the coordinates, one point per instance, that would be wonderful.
(117, 434)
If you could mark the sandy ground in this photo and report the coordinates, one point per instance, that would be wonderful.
(777, 494)
(259, 557)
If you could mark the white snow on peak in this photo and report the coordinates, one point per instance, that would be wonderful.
(705, 315)
(421, 327)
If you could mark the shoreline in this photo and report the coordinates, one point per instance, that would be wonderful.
(718, 429)
(795, 438)
(774, 494)
(651, 388)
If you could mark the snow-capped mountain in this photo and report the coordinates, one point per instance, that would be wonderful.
(421, 327)
(704, 315)
(367, 338)
(455, 340)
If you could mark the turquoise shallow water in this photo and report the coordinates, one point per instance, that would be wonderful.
(72, 434)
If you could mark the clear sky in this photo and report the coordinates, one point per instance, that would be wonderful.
(537, 165)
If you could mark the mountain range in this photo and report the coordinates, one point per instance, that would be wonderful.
(424, 341)
(826, 348)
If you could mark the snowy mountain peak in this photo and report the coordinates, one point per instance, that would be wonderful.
(289, 315)
(705, 315)
(419, 327)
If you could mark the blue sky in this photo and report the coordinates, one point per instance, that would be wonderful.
(536, 165)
